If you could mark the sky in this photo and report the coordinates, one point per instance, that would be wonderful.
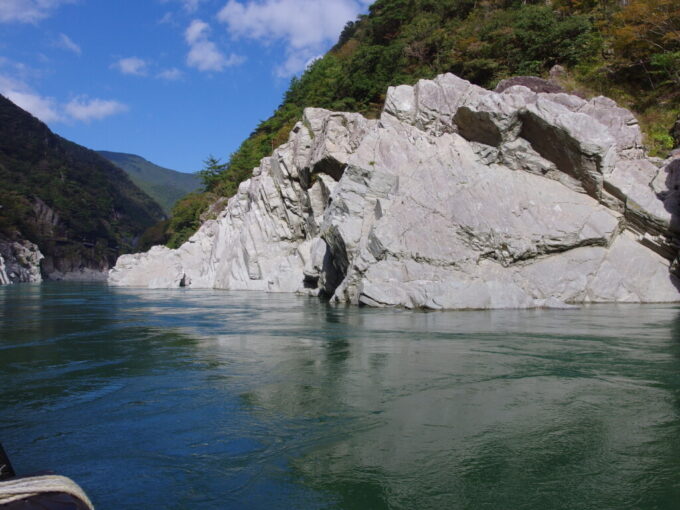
(173, 81)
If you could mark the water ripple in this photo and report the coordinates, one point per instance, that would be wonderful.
(207, 399)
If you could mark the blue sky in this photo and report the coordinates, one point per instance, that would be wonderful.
(170, 80)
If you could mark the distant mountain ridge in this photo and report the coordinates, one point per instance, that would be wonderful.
(80, 210)
(164, 185)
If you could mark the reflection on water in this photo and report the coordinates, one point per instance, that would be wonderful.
(205, 399)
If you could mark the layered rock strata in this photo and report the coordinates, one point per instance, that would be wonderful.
(457, 197)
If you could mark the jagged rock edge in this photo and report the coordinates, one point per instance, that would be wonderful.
(319, 145)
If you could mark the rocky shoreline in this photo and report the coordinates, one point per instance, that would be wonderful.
(457, 197)
(22, 262)
(19, 262)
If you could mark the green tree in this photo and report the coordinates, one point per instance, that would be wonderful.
(211, 174)
(484, 41)
(646, 39)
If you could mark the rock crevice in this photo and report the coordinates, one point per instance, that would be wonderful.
(457, 197)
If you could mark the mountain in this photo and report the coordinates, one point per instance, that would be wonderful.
(165, 186)
(77, 208)
(456, 198)
(626, 49)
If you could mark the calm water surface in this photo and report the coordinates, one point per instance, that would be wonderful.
(190, 399)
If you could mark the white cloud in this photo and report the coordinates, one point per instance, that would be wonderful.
(139, 67)
(204, 54)
(188, 5)
(131, 65)
(49, 109)
(302, 23)
(196, 30)
(313, 59)
(85, 109)
(306, 27)
(292, 65)
(44, 108)
(66, 43)
(28, 11)
(171, 74)
(167, 18)
(191, 5)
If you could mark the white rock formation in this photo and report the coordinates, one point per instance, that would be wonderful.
(19, 262)
(457, 197)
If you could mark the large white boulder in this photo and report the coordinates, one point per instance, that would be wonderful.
(457, 197)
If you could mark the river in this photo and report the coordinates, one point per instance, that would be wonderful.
(190, 399)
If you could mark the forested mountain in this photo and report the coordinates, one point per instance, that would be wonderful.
(625, 49)
(165, 186)
(81, 210)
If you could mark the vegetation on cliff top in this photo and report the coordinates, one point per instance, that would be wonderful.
(627, 50)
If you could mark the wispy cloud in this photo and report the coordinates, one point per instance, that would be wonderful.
(28, 11)
(204, 54)
(131, 65)
(49, 109)
(167, 18)
(17, 91)
(139, 67)
(172, 74)
(86, 109)
(305, 27)
(66, 43)
(44, 108)
(189, 6)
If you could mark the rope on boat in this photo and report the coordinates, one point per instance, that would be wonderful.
(21, 488)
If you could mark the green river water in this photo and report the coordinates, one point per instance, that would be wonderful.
(187, 399)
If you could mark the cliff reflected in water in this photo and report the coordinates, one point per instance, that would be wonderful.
(246, 400)
(543, 409)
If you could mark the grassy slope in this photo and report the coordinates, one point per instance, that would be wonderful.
(484, 41)
(162, 184)
(101, 213)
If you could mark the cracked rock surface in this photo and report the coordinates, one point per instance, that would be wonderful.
(19, 262)
(457, 197)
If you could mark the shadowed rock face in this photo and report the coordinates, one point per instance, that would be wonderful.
(457, 197)
(477, 127)
(563, 150)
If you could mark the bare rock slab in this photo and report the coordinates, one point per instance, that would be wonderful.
(456, 198)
